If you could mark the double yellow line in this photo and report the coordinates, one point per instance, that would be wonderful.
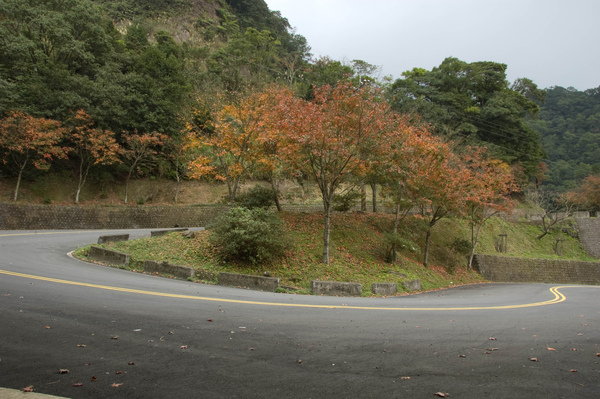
(558, 297)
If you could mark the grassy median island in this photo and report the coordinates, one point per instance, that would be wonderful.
(358, 251)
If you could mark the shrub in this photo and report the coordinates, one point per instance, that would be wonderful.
(345, 202)
(248, 235)
(257, 197)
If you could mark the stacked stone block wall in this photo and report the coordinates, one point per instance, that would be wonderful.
(508, 269)
(588, 230)
(57, 217)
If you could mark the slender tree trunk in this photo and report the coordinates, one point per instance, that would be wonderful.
(363, 198)
(127, 185)
(374, 196)
(474, 242)
(426, 256)
(82, 179)
(275, 188)
(16, 197)
(395, 231)
(327, 207)
(177, 188)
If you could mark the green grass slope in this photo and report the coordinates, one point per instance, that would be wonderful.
(359, 251)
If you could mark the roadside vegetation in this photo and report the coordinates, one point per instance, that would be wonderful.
(359, 251)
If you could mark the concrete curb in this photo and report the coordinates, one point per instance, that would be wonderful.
(335, 288)
(99, 254)
(258, 283)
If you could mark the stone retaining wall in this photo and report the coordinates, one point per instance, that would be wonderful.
(588, 230)
(508, 269)
(58, 217)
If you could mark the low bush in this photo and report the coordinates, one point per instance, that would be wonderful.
(248, 235)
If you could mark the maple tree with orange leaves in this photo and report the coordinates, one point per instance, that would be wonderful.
(139, 151)
(27, 140)
(93, 146)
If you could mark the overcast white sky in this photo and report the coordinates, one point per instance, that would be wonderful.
(552, 42)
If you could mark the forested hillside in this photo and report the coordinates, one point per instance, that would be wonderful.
(110, 90)
(569, 124)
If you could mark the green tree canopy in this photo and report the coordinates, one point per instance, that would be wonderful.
(474, 103)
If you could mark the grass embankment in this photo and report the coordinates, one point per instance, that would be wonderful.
(359, 251)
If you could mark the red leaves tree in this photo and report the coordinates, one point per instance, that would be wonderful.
(140, 150)
(335, 138)
(238, 141)
(587, 196)
(436, 185)
(93, 146)
(489, 185)
(27, 140)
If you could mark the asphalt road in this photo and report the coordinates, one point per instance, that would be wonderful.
(127, 335)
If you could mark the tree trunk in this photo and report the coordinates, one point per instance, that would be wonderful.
(374, 196)
(127, 185)
(395, 231)
(82, 179)
(275, 188)
(363, 198)
(426, 256)
(177, 188)
(327, 207)
(16, 197)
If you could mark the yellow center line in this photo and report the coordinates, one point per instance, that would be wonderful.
(558, 297)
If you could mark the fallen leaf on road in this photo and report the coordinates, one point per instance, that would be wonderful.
(114, 337)
(534, 359)
(462, 355)
(81, 346)
(116, 385)
(492, 339)
(47, 327)
(573, 371)
(63, 371)
(94, 378)
(493, 349)
(119, 372)
(551, 349)
(405, 378)
(78, 384)
(28, 389)
(130, 363)
(442, 394)
(183, 347)
(573, 349)
(209, 320)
